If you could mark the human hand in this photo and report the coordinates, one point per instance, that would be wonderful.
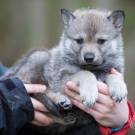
(105, 111)
(40, 118)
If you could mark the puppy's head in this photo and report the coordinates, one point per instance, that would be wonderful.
(91, 35)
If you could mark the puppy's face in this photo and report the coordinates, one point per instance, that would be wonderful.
(93, 35)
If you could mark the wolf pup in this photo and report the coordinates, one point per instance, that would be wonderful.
(91, 44)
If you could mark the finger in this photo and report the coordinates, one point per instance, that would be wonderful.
(102, 88)
(34, 88)
(43, 119)
(105, 100)
(73, 95)
(79, 105)
(114, 71)
(72, 86)
(101, 108)
(97, 115)
(37, 123)
(38, 105)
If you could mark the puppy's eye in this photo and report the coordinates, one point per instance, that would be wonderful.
(101, 41)
(79, 40)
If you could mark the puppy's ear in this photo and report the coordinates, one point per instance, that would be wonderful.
(67, 17)
(117, 18)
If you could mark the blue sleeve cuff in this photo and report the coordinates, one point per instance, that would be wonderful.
(117, 129)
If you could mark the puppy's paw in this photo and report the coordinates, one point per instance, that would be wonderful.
(87, 84)
(117, 88)
(61, 100)
(64, 102)
(89, 95)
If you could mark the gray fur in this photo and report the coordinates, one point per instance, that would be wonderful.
(66, 61)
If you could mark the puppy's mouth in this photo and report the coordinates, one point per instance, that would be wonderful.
(104, 66)
(90, 66)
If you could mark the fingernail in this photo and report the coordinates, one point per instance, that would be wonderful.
(43, 88)
(113, 71)
(69, 83)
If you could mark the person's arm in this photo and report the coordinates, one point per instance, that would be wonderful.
(122, 131)
(17, 108)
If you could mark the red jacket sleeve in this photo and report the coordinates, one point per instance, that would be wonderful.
(124, 130)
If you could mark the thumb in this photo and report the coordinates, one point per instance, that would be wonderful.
(114, 71)
(102, 88)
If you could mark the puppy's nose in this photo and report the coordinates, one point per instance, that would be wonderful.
(89, 57)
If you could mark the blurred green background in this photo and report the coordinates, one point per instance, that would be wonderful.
(28, 24)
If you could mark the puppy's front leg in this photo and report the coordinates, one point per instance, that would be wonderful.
(117, 87)
(88, 87)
